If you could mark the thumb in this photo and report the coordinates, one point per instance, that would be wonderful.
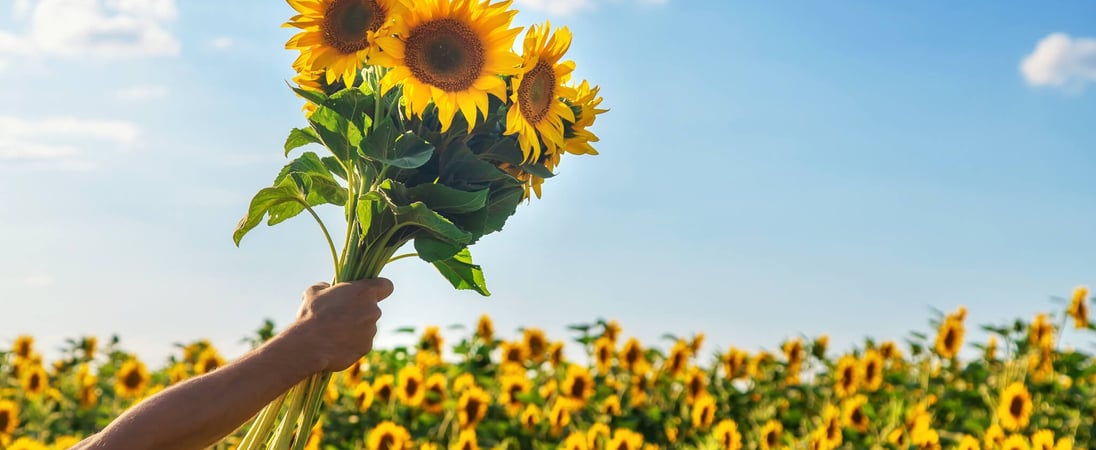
(315, 289)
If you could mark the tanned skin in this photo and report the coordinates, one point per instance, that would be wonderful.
(334, 328)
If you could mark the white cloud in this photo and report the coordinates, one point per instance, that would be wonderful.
(56, 142)
(564, 7)
(92, 28)
(221, 43)
(1061, 61)
(38, 281)
(142, 93)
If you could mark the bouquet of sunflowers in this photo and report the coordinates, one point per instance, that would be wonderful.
(435, 130)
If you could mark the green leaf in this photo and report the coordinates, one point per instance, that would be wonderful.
(354, 106)
(419, 215)
(504, 150)
(338, 135)
(300, 137)
(462, 274)
(444, 199)
(433, 250)
(380, 139)
(463, 168)
(334, 166)
(408, 152)
(317, 98)
(538, 170)
(502, 204)
(314, 179)
(262, 203)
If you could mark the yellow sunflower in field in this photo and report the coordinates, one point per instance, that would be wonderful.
(703, 413)
(969, 443)
(472, 406)
(431, 340)
(1042, 440)
(131, 379)
(598, 435)
(64, 443)
(411, 391)
(1015, 406)
(1041, 333)
(586, 102)
(853, 415)
(363, 396)
(451, 53)
(734, 363)
(575, 441)
(603, 355)
(209, 361)
(677, 360)
(34, 380)
(1064, 444)
(625, 439)
(89, 344)
(991, 349)
(611, 405)
(555, 354)
(1015, 442)
(889, 350)
(1078, 307)
(434, 400)
(847, 376)
(467, 440)
(352, 376)
(535, 343)
(530, 417)
(578, 386)
(559, 417)
(26, 443)
(383, 388)
(641, 383)
(631, 356)
(831, 426)
(949, 338)
(771, 434)
(696, 385)
(727, 435)
(872, 370)
(463, 381)
(537, 110)
(23, 346)
(898, 438)
(9, 417)
(513, 353)
(514, 386)
(336, 35)
(485, 329)
(994, 437)
(388, 436)
(88, 393)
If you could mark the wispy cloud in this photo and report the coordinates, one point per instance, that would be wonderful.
(1061, 61)
(91, 28)
(57, 142)
(142, 93)
(565, 7)
(221, 43)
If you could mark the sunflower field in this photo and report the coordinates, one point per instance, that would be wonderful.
(1019, 390)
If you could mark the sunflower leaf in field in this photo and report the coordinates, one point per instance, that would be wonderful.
(405, 330)
(338, 135)
(433, 250)
(300, 137)
(462, 273)
(261, 204)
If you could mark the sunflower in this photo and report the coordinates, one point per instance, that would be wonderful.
(388, 436)
(889, 350)
(26, 443)
(363, 396)
(537, 110)
(383, 388)
(331, 392)
(678, 359)
(821, 343)
(969, 443)
(88, 394)
(994, 437)
(597, 435)
(315, 436)
(23, 346)
(431, 340)
(463, 381)
(555, 354)
(1014, 408)
(631, 355)
(703, 413)
(65, 442)
(991, 349)
(466, 440)
(352, 376)
(611, 405)
(847, 377)
(575, 441)
(1041, 332)
(755, 368)
(696, 385)
(1064, 444)
(434, 399)
(209, 361)
(727, 435)
(513, 353)
(625, 439)
(559, 417)
(34, 380)
(853, 414)
(450, 52)
(578, 137)
(734, 363)
(485, 329)
(770, 435)
(1042, 440)
(578, 386)
(1078, 307)
(949, 338)
(9, 417)
(831, 426)
(472, 406)
(536, 343)
(671, 432)
(530, 417)
(1015, 442)
(89, 344)
(927, 439)
(872, 370)
(336, 36)
(898, 438)
(411, 391)
(641, 383)
(512, 387)
(603, 355)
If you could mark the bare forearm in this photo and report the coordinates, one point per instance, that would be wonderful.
(201, 411)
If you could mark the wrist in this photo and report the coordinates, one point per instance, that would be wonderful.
(302, 350)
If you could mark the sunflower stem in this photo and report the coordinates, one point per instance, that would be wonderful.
(326, 234)
(405, 255)
(261, 428)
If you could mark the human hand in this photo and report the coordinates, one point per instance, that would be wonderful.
(338, 322)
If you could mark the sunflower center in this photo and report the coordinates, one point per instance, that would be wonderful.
(770, 438)
(346, 24)
(578, 388)
(445, 53)
(384, 392)
(412, 387)
(726, 440)
(535, 93)
(858, 416)
(1016, 406)
(472, 409)
(4, 420)
(34, 382)
(387, 441)
(869, 371)
(949, 339)
(132, 379)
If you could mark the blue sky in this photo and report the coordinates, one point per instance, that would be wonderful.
(767, 170)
